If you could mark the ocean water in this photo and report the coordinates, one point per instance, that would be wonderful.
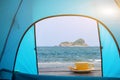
(68, 54)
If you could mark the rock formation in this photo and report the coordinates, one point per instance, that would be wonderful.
(78, 43)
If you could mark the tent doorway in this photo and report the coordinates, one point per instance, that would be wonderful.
(67, 37)
(65, 40)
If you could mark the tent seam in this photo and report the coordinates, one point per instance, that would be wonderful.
(3, 50)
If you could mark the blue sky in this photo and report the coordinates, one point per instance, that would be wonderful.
(52, 31)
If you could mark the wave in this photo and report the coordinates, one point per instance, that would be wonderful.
(90, 60)
(46, 65)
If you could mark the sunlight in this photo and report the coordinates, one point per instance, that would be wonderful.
(108, 11)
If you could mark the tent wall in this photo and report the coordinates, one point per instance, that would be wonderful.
(22, 20)
(7, 15)
(8, 10)
(33, 10)
(110, 54)
(26, 57)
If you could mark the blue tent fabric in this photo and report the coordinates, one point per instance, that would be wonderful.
(110, 54)
(27, 49)
(16, 32)
(18, 15)
(9, 10)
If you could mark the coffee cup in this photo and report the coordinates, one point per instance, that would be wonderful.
(83, 65)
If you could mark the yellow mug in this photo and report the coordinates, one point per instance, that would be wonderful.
(83, 65)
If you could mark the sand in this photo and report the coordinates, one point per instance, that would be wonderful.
(57, 68)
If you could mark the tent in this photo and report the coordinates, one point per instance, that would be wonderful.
(17, 23)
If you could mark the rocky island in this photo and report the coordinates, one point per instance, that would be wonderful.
(77, 43)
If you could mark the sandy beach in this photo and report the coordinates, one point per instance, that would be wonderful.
(61, 68)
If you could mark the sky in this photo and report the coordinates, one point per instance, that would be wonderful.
(53, 31)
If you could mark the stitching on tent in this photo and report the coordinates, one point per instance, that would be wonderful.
(10, 29)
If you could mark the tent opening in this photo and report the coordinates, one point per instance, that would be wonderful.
(57, 45)
(64, 41)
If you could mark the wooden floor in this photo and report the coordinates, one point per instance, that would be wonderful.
(62, 72)
(62, 69)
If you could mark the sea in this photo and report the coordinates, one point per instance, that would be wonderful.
(67, 54)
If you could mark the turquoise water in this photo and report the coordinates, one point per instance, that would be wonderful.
(68, 54)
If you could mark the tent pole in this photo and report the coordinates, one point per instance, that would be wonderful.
(36, 49)
(100, 47)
